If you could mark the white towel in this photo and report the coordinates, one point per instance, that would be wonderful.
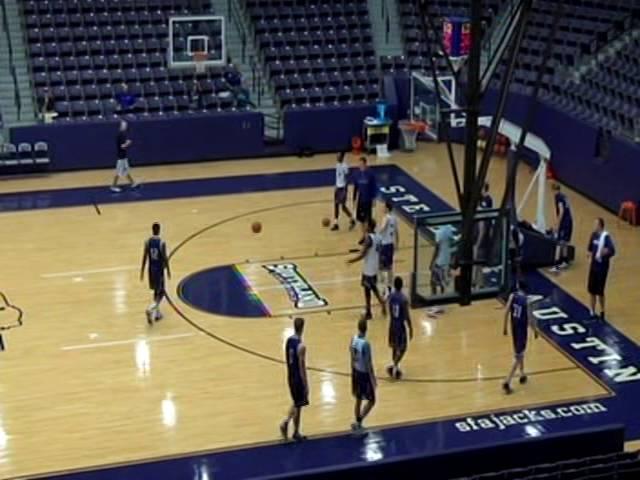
(601, 243)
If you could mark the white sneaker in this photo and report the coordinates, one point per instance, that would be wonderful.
(555, 269)
(115, 189)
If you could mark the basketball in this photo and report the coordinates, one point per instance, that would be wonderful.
(326, 222)
(256, 227)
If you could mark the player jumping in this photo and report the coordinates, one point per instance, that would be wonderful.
(340, 194)
(155, 250)
(400, 322)
(517, 311)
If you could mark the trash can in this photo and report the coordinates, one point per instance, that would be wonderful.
(410, 130)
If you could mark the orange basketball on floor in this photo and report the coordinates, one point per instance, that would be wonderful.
(326, 222)
(256, 227)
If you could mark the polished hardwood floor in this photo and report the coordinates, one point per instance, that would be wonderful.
(86, 382)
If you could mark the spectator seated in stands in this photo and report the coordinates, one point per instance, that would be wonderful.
(47, 113)
(232, 81)
(195, 96)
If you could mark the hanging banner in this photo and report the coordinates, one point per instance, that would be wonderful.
(456, 36)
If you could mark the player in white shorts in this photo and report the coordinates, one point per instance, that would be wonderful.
(122, 166)
(389, 239)
(340, 193)
(370, 254)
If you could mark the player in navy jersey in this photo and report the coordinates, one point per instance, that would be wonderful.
(295, 353)
(363, 379)
(600, 251)
(340, 194)
(365, 192)
(155, 251)
(400, 322)
(517, 315)
(564, 228)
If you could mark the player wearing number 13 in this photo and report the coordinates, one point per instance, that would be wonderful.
(155, 251)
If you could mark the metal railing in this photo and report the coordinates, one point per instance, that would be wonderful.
(12, 68)
(236, 17)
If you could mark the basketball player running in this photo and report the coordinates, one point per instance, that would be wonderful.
(400, 322)
(155, 251)
(517, 315)
(600, 250)
(340, 194)
(370, 266)
(123, 143)
(389, 239)
(564, 228)
(363, 379)
(295, 353)
(365, 192)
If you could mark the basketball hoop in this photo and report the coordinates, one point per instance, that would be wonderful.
(199, 59)
(410, 130)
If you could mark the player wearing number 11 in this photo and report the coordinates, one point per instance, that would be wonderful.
(155, 250)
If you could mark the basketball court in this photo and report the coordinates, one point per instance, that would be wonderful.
(86, 382)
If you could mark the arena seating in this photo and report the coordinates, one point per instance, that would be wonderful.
(88, 52)
(608, 95)
(583, 24)
(416, 46)
(23, 157)
(316, 54)
(617, 466)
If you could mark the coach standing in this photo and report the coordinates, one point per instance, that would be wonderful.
(365, 192)
(600, 251)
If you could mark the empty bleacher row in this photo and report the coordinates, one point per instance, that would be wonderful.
(316, 54)
(581, 25)
(86, 53)
(23, 155)
(617, 466)
(609, 94)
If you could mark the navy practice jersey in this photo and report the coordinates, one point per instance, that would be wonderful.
(398, 308)
(293, 358)
(519, 321)
(561, 199)
(156, 251)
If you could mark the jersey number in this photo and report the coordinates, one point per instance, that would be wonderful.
(154, 254)
(395, 311)
(517, 311)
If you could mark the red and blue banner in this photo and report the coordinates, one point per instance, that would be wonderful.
(456, 36)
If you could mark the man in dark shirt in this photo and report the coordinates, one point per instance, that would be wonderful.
(122, 166)
(600, 250)
(365, 192)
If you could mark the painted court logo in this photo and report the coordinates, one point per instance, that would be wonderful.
(301, 293)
